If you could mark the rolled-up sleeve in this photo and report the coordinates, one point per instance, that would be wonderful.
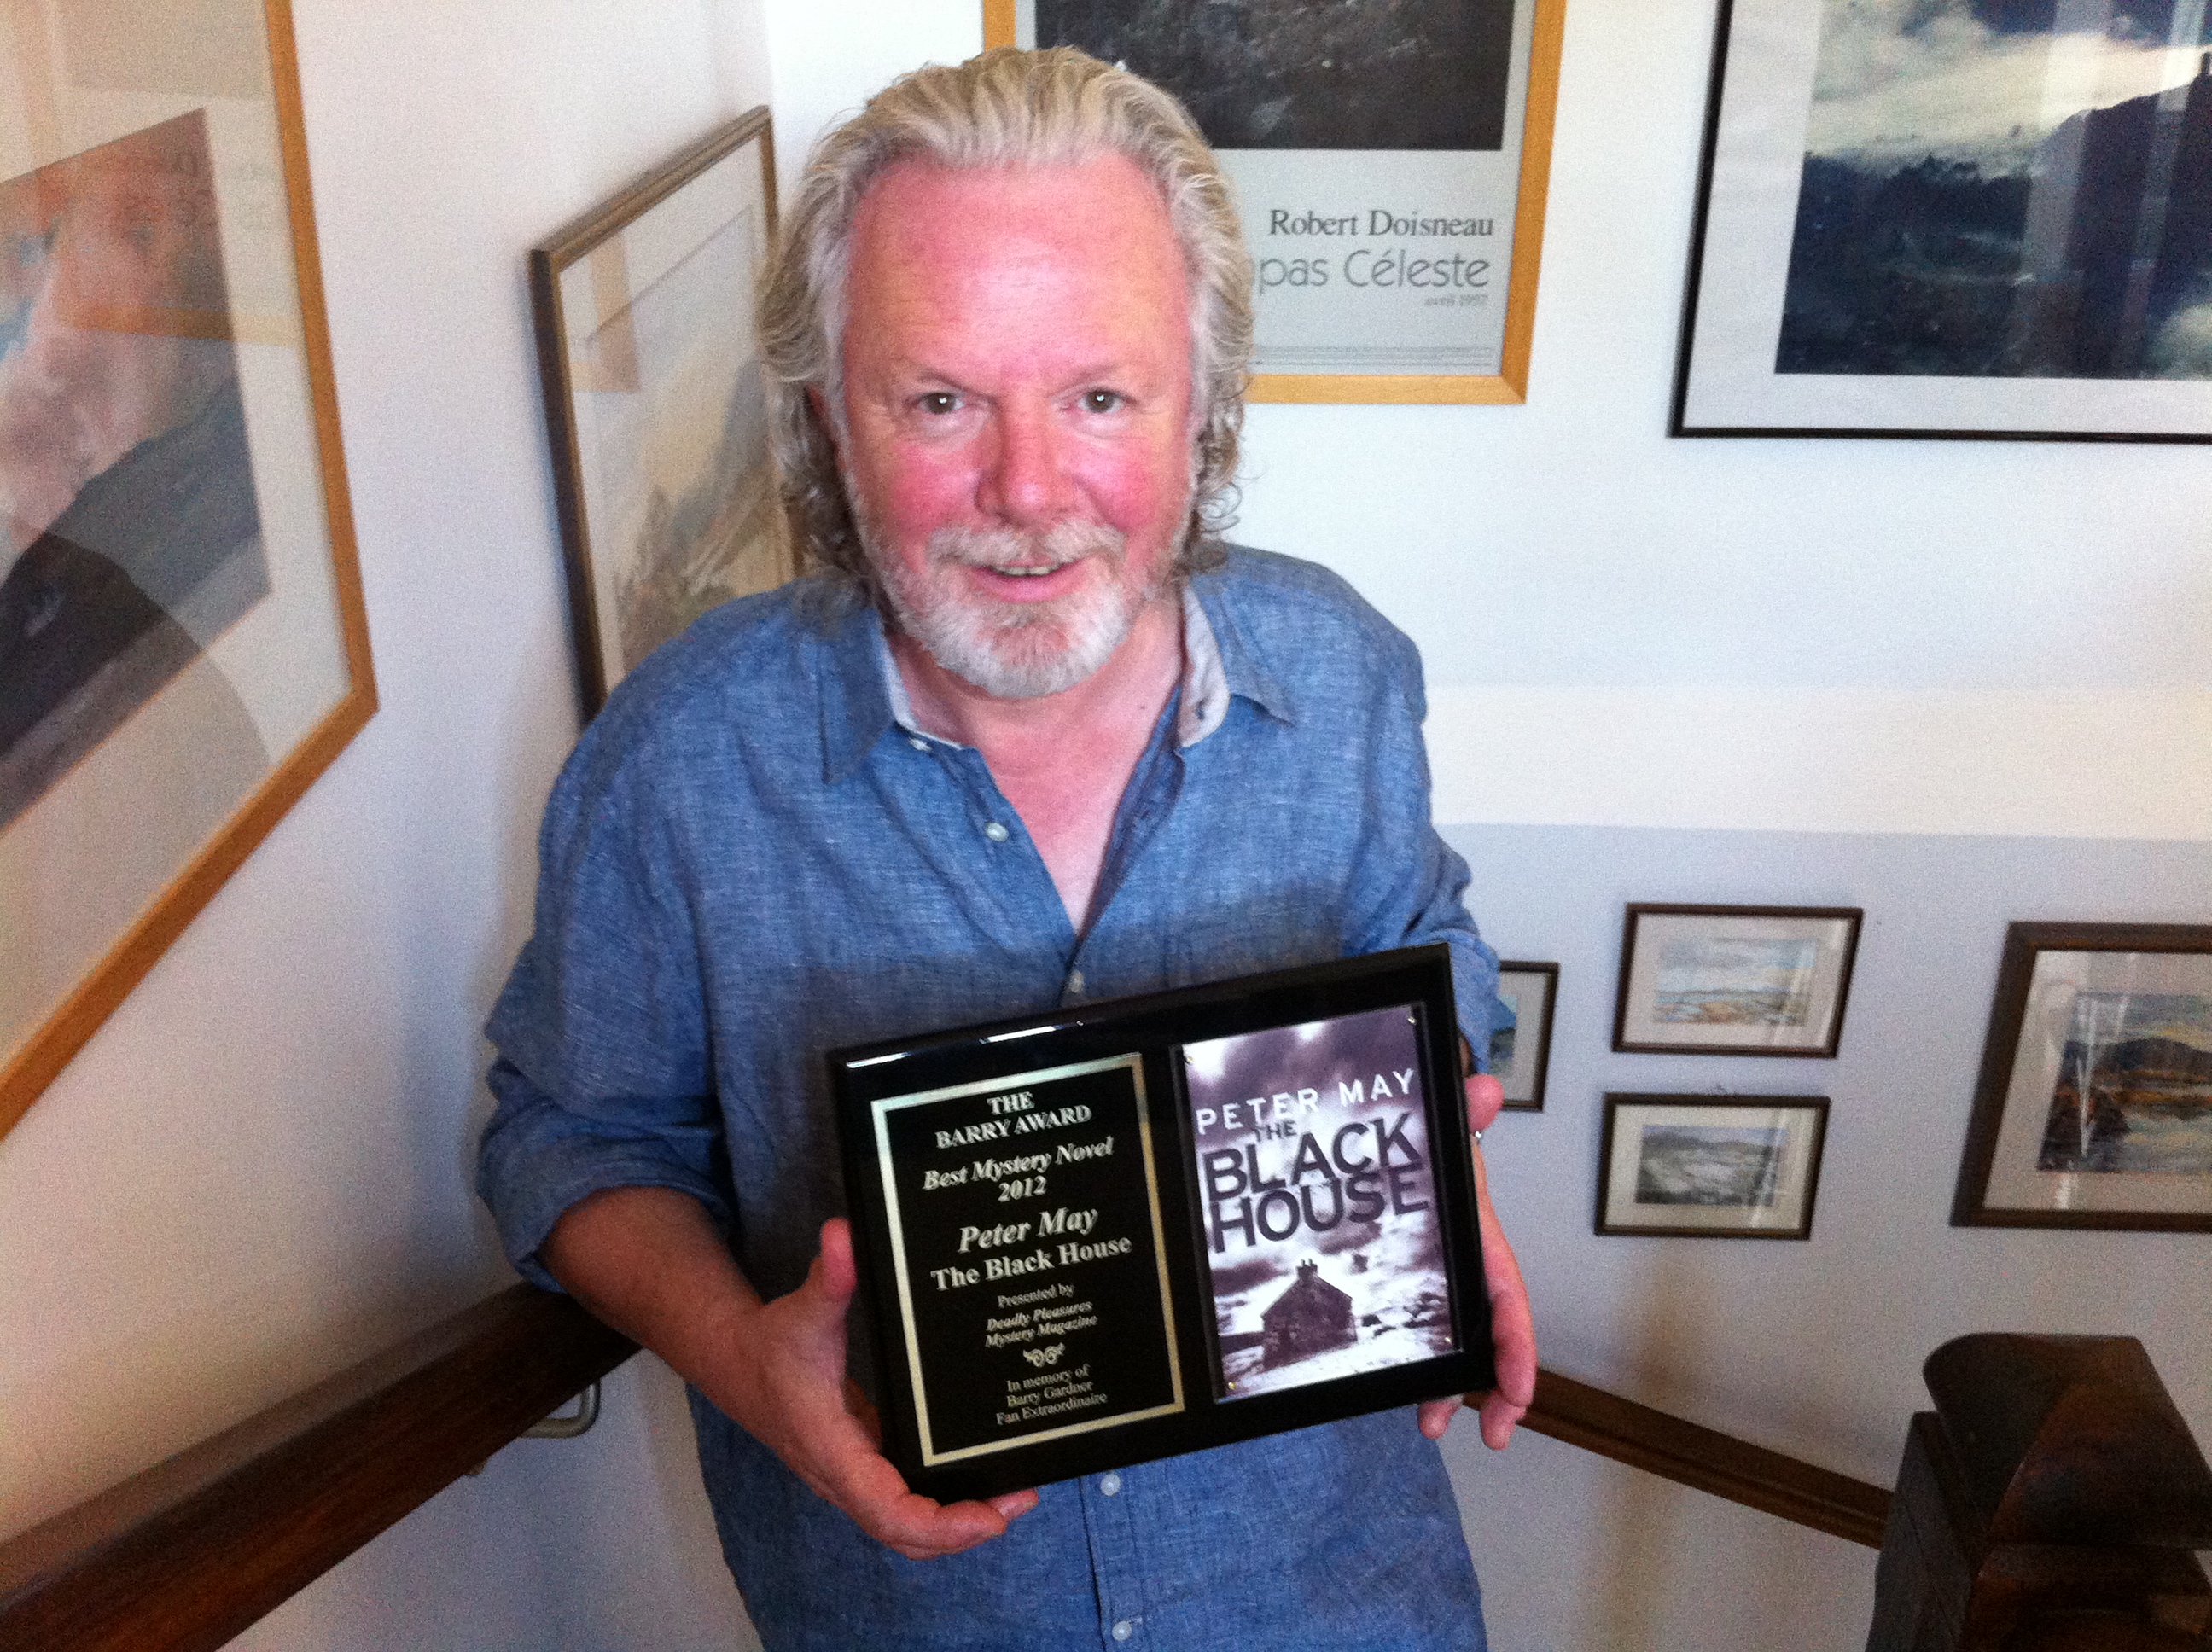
(603, 1078)
(1409, 887)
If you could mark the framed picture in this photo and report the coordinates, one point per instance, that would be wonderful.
(1390, 168)
(1097, 1236)
(2094, 1108)
(1960, 219)
(654, 402)
(1734, 980)
(182, 645)
(1710, 1167)
(1522, 1055)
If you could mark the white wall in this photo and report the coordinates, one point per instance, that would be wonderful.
(258, 1171)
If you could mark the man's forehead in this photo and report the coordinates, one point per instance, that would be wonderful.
(998, 201)
(994, 253)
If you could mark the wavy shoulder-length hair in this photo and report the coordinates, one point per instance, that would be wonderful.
(1008, 107)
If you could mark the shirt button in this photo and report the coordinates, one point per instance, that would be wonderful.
(1075, 989)
(1110, 1484)
(918, 743)
(1123, 1629)
(995, 832)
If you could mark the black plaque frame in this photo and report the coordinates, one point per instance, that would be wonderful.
(1091, 1045)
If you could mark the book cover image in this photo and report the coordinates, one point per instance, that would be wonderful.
(1324, 1244)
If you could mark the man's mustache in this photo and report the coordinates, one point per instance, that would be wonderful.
(1008, 547)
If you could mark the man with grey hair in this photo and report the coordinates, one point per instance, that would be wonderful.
(1029, 737)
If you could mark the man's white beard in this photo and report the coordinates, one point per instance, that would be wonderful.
(1016, 649)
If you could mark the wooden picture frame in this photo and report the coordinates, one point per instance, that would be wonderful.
(644, 312)
(1520, 1057)
(182, 647)
(1342, 222)
(1735, 980)
(1710, 1167)
(1965, 244)
(2093, 1109)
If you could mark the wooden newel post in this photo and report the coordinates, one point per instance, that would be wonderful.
(2049, 1504)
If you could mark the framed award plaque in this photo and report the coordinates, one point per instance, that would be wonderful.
(1128, 1229)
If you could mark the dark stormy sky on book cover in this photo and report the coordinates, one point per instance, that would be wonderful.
(1323, 1234)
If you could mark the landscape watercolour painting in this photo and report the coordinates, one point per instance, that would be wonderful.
(2095, 1106)
(655, 403)
(1710, 1167)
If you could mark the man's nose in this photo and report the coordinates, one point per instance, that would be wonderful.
(1025, 481)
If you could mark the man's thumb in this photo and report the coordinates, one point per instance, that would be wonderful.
(831, 1281)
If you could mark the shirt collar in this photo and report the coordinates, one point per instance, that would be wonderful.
(863, 693)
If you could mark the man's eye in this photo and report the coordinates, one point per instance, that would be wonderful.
(1101, 401)
(937, 401)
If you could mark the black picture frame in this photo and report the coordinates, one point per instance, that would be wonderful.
(1733, 1003)
(1699, 1170)
(1521, 1059)
(1827, 298)
(2067, 994)
(984, 1389)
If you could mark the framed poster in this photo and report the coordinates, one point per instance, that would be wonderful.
(2094, 1108)
(1117, 1232)
(1710, 1167)
(182, 644)
(654, 402)
(1734, 980)
(1521, 1056)
(1389, 167)
(1962, 218)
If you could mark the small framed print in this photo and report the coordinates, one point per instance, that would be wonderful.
(1521, 1055)
(1734, 980)
(2094, 1108)
(1108, 1234)
(1712, 1167)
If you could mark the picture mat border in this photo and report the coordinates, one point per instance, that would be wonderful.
(567, 245)
(1847, 961)
(2025, 942)
(1156, 1025)
(1604, 1222)
(1549, 974)
(1961, 390)
(36, 1062)
(1135, 1061)
(1509, 386)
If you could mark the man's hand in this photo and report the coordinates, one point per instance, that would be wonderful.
(789, 1391)
(1512, 1331)
(648, 1261)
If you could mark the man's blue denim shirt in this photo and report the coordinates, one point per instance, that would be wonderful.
(752, 858)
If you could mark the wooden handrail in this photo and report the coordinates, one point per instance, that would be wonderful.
(1708, 1459)
(188, 1554)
